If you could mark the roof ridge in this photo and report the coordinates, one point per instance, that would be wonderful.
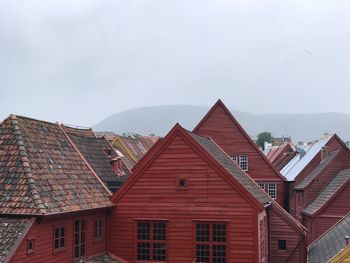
(26, 165)
(30, 118)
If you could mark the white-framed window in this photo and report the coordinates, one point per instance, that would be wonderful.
(262, 185)
(243, 162)
(234, 158)
(272, 190)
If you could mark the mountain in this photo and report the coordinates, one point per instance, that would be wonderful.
(160, 119)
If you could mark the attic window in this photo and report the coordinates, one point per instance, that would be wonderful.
(30, 246)
(181, 184)
(282, 245)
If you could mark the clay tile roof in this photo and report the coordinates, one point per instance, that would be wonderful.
(42, 173)
(330, 243)
(311, 176)
(221, 157)
(94, 151)
(328, 192)
(12, 231)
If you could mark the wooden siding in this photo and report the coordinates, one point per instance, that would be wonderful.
(43, 235)
(342, 257)
(280, 230)
(341, 162)
(220, 127)
(331, 214)
(208, 197)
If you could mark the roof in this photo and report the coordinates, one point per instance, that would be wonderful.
(107, 134)
(300, 161)
(133, 147)
(275, 152)
(218, 104)
(94, 151)
(328, 192)
(319, 168)
(42, 172)
(222, 158)
(102, 259)
(330, 243)
(12, 231)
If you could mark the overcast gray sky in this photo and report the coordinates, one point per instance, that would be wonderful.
(80, 61)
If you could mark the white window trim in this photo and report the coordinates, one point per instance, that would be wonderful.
(274, 188)
(244, 158)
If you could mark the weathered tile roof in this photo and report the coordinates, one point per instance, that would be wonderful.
(12, 231)
(102, 259)
(133, 148)
(42, 173)
(94, 151)
(327, 193)
(311, 176)
(330, 243)
(221, 157)
(108, 135)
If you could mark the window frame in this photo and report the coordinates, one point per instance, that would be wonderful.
(282, 245)
(274, 188)
(86, 239)
(246, 161)
(102, 228)
(262, 186)
(178, 186)
(55, 250)
(211, 243)
(151, 240)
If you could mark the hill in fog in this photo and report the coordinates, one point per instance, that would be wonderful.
(160, 119)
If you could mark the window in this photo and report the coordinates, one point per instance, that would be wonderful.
(211, 242)
(79, 238)
(282, 245)
(234, 158)
(181, 184)
(262, 185)
(151, 241)
(243, 162)
(59, 238)
(272, 190)
(98, 229)
(30, 246)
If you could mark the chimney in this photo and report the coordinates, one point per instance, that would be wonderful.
(325, 135)
(117, 165)
(324, 153)
(346, 241)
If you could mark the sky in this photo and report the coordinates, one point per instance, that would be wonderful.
(79, 61)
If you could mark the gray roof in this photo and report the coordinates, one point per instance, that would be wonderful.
(330, 243)
(337, 182)
(11, 231)
(221, 157)
(311, 176)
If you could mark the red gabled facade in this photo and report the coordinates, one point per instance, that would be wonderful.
(181, 186)
(220, 125)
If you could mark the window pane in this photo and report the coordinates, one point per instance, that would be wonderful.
(62, 232)
(62, 242)
(243, 162)
(143, 231)
(143, 251)
(219, 253)
(202, 232)
(219, 232)
(57, 243)
(159, 231)
(202, 253)
(57, 232)
(159, 251)
(272, 188)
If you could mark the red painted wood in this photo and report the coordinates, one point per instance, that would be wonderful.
(208, 197)
(280, 230)
(228, 134)
(43, 235)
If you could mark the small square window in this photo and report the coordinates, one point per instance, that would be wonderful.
(262, 185)
(181, 184)
(30, 246)
(272, 190)
(282, 245)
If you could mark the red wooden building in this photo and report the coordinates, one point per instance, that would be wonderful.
(281, 155)
(220, 125)
(188, 201)
(54, 206)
